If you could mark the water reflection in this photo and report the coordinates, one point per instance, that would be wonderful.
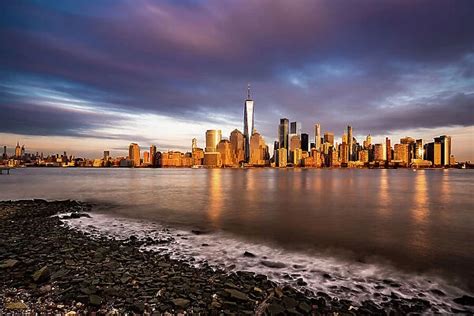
(216, 201)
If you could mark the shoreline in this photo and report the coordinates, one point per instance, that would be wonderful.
(49, 267)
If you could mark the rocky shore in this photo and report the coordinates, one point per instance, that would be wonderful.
(46, 267)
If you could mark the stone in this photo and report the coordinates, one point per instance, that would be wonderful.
(304, 307)
(235, 294)
(9, 263)
(95, 300)
(273, 264)
(15, 305)
(249, 254)
(465, 300)
(437, 292)
(42, 275)
(275, 309)
(181, 302)
(71, 313)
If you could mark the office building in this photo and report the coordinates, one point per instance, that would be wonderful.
(317, 136)
(153, 155)
(283, 131)
(350, 143)
(388, 149)
(329, 138)
(258, 150)
(248, 123)
(282, 157)
(445, 142)
(237, 142)
(134, 154)
(213, 137)
(305, 142)
(378, 153)
(295, 128)
(401, 153)
(225, 149)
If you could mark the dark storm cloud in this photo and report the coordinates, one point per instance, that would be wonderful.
(334, 62)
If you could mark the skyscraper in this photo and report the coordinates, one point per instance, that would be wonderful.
(304, 142)
(213, 137)
(248, 123)
(329, 138)
(295, 128)
(237, 142)
(5, 156)
(317, 136)
(283, 130)
(134, 154)
(17, 150)
(153, 155)
(193, 144)
(388, 148)
(445, 148)
(350, 143)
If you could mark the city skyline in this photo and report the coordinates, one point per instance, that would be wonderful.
(311, 61)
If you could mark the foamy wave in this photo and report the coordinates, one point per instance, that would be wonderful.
(346, 280)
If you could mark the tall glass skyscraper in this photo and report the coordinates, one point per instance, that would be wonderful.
(248, 123)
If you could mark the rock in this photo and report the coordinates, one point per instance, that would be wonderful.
(79, 215)
(465, 300)
(289, 302)
(95, 300)
(42, 275)
(181, 302)
(437, 292)
(304, 307)
(235, 294)
(71, 313)
(9, 263)
(275, 309)
(138, 307)
(197, 232)
(15, 305)
(273, 264)
(249, 255)
(301, 282)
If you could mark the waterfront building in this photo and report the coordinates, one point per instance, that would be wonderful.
(282, 157)
(5, 156)
(388, 148)
(146, 158)
(350, 143)
(212, 159)
(198, 157)
(378, 153)
(317, 136)
(283, 131)
(419, 151)
(194, 142)
(368, 142)
(153, 155)
(305, 142)
(213, 137)
(296, 156)
(237, 142)
(17, 150)
(401, 154)
(410, 142)
(134, 154)
(364, 156)
(445, 142)
(225, 149)
(329, 138)
(258, 150)
(248, 123)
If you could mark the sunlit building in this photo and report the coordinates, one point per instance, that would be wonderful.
(419, 151)
(212, 159)
(146, 157)
(248, 123)
(198, 157)
(17, 150)
(213, 137)
(368, 142)
(258, 150)
(225, 149)
(283, 131)
(378, 153)
(401, 154)
(294, 142)
(388, 149)
(445, 142)
(350, 143)
(282, 157)
(410, 142)
(134, 154)
(329, 138)
(317, 136)
(296, 156)
(237, 142)
(364, 156)
(153, 155)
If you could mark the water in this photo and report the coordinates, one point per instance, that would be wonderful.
(358, 226)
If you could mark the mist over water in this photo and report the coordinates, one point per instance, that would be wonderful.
(417, 223)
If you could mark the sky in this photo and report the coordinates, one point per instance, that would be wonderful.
(87, 76)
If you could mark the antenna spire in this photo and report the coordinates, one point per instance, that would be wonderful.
(248, 91)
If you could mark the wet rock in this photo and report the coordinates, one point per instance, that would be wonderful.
(437, 292)
(304, 307)
(464, 300)
(15, 306)
(301, 282)
(275, 309)
(79, 215)
(95, 300)
(181, 302)
(42, 275)
(9, 263)
(249, 254)
(273, 264)
(235, 294)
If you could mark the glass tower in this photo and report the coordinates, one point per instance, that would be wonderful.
(248, 123)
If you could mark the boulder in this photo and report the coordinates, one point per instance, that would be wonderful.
(42, 275)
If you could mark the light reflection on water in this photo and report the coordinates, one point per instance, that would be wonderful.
(422, 221)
